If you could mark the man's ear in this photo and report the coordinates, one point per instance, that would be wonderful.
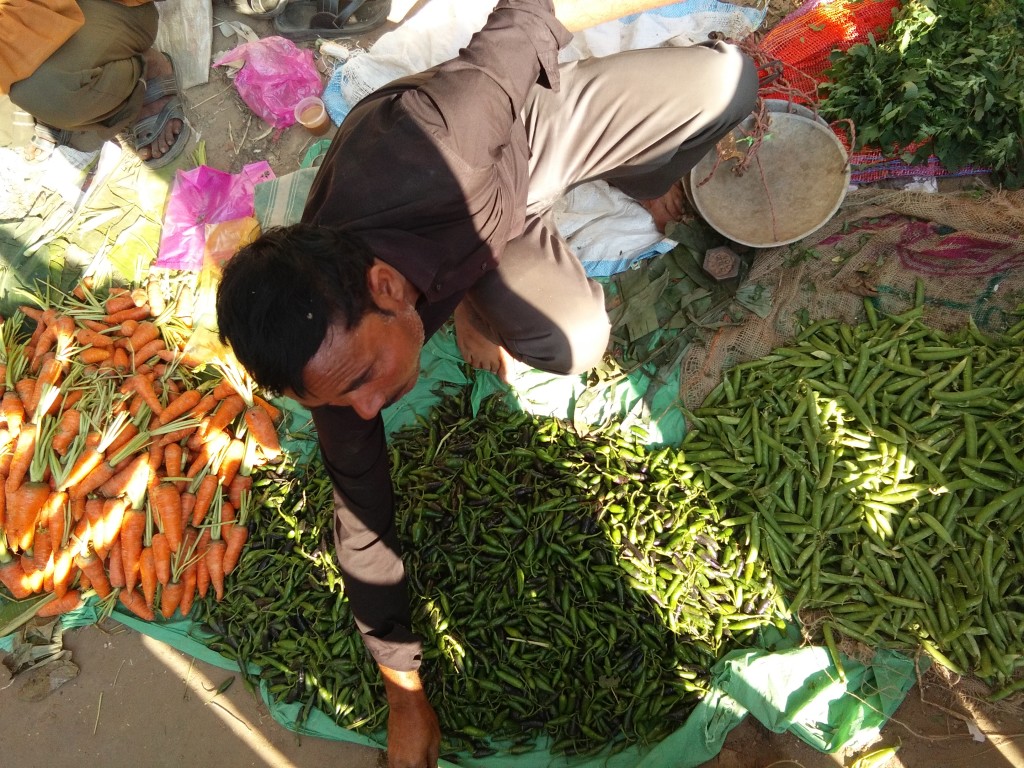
(388, 287)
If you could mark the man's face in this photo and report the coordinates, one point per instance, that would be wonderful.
(368, 367)
(373, 364)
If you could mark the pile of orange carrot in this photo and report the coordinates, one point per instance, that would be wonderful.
(126, 468)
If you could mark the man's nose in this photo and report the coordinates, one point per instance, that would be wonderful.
(368, 405)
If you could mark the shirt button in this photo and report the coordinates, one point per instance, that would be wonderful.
(438, 286)
(483, 267)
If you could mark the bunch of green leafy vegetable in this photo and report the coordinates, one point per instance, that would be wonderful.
(949, 77)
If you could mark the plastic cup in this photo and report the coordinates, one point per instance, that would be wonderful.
(312, 114)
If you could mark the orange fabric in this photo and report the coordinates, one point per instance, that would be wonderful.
(31, 30)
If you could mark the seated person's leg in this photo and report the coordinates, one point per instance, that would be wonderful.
(639, 120)
(538, 307)
(93, 86)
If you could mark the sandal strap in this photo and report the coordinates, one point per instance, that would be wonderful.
(44, 134)
(162, 86)
(330, 17)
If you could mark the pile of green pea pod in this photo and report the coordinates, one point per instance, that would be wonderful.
(572, 591)
(880, 468)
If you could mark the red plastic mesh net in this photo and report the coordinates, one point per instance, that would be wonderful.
(803, 40)
(802, 43)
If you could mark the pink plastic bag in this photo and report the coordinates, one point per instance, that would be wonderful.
(276, 75)
(200, 197)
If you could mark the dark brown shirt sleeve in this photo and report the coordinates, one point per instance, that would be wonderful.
(464, 117)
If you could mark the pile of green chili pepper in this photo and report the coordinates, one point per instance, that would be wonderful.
(573, 590)
(570, 588)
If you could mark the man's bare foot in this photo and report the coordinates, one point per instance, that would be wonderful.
(476, 348)
(667, 208)
(158, 65)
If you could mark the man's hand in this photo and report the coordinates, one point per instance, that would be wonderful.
(414, 737)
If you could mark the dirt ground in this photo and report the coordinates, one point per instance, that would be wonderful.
(138, 702)
(132, 690)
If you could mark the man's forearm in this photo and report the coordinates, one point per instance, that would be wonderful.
(581, 14)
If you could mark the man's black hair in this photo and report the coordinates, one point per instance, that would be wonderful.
(278, 295)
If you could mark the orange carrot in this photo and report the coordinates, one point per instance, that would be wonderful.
(25, 387)
(119, 360)
(32, 313)
(172, 461)
(204, 406)
(42, 548)
(230, 461)
(207, 451)
(77, 508)
(188, 504)
(95, 356)
(115, 565)
(13, 411)
(263, 431)
(147, 575)
(272, 410)
(145, 332)
(136, 603)
(148, 351)
(156, 458)
(198, 436)
(113, 516)
(224, 389)
(161, 558)
(176, 436)
(239, 484)
(33, 579)
(23, 510)
(215, 565)
(63, 569)
(126, 476)
(205, 493)
(86, 463)
(70, 600)
(12, 575)
(131, 313)
(96, 325)
(202, 572)
(143, 387)
(67, 429)
(64, 331)
(50, 374)
(48, 574)
(21, 457)
(180, 405)
(235, 540)
(92, 531)
(133, 529)
(129, 431)
(166, 501)
(170, 597)
(188, 580)
(42, 346)
(118, 301)
(92, 567)
(55, 514)
(229, 409)
(70, 399)
(99, 475)
(88, 337)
